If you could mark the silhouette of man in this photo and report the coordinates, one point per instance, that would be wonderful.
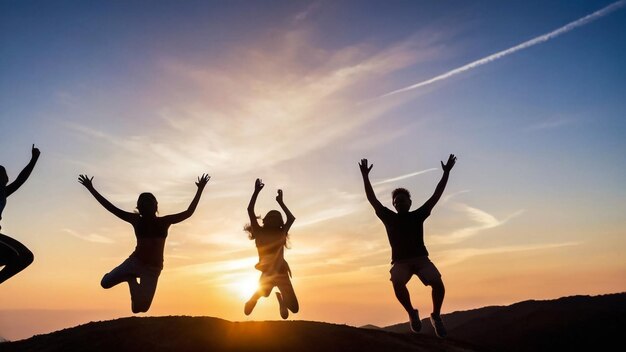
(405, 230)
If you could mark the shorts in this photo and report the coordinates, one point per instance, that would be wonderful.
(402, 270)
(268, 281)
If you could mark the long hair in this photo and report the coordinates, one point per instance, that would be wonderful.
(281, 225)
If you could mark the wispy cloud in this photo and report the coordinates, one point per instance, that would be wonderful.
(303, 15)
(91, 237)
(455, 256)
(552, 123)
(527, 44)
(268, 104)
(482, 221)
(402, 177)
(447, 198)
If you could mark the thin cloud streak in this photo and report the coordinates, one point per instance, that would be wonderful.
(402, 177)
(527, 44)
(456, 256)
(92, 237)
(552, 123)
(485, 221)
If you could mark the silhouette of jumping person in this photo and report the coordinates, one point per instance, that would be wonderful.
(271, 240)
(405, 231)
(146, 262)
(14, 256)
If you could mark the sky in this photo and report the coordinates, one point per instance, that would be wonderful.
(147, 95)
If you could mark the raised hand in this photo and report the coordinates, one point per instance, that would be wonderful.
(202, 180)
(35, 152)
(258, 185)
(365, 170)
(85, 181)
(448, 166)
(279, 196)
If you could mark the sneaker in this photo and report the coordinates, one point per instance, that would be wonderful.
(414, 321)
(284, 313)
(249, 307)
(440, 329)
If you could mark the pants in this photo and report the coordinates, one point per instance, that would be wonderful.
(142, 292)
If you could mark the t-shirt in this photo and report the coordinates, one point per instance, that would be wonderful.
(405, 232)
(151, 234)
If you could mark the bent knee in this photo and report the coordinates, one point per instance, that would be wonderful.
(437, 284)
(105, 282)
(25, 258)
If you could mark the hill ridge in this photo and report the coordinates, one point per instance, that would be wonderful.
(186, 333)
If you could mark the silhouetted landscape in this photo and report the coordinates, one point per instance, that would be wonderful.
(577, 323)
(212, 334)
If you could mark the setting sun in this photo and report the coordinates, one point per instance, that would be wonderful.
(245, 285)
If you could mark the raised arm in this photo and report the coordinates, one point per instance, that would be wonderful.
(258, 186)
(369, 191)
(176, 218)
(430, 203)
(23, 176)
(124, 215)
(290, 217)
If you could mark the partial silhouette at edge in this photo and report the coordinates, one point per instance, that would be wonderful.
(146, 262)
(14, 256)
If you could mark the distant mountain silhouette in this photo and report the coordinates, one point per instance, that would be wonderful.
(212, 334)
(576, 323)
(370, 326)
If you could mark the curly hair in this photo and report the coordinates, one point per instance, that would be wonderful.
(398, 191)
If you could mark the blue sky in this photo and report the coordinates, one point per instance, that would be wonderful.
(148, 95)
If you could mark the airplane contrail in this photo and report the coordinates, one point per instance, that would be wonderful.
(404, 176)
(527, 44)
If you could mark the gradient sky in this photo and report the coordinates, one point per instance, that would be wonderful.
(147, 95)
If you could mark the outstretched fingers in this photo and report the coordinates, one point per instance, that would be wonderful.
(203, 180)
(364, 167)
(85, 180)
(451, 161)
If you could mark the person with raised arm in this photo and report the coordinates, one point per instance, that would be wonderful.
(14, 256)
(271, 241)
(146, 262)
(405, 231)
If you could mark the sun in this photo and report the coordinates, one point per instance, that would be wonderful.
(245, 285)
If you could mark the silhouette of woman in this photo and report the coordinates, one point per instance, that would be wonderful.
(146, 262)
(271, 240)
(14, 256)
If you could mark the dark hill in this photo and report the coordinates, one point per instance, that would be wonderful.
(577, 323)
(212, 334)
